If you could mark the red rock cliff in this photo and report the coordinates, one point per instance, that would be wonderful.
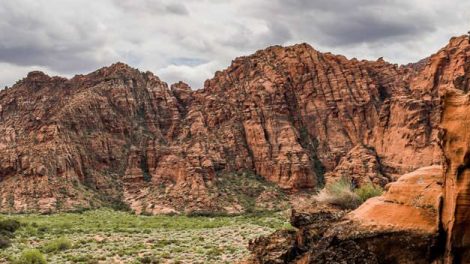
(453, 65)
(288, 114)
(423, 217)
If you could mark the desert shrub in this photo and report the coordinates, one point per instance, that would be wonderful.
(9, 225)
(59, 244)
(31, 256)
(368, 191)
(203, 213)
(7, 230)
(4, 242)
(149, 260)
(339, 193)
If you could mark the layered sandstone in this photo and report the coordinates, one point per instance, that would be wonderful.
(287, 114)
(455, 122)
(423, 216)
(411, 203)
(400, 226)
(362, 166)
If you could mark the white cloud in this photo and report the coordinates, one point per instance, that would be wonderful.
(11, 73)
(193, 75)
(189, 40)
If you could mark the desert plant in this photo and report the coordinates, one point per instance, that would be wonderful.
(7, 230)
(368, 190)
(339, 193)
(4, 242)
(31, 256)
(9, 225)
(149, 260)
(59, 244)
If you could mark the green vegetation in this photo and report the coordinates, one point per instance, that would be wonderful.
(56, 245)
(108, 236)
(7, 230)
(368, 191)
(246, 189)
(31, 256)
(339, 193)
(342, 194)
(9, 226)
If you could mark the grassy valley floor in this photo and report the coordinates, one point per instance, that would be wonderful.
(107, 236)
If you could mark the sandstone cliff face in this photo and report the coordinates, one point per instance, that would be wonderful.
(423, 216)
(287, 114)
(400, 226)
(455, 81)
(362, 166)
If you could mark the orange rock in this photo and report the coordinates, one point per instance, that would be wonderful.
(455, 121)
(361, 165)
(412, 203)
(288, 114)
(424, 213)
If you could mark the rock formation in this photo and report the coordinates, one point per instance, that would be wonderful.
(400, 226)
(361, 165)
(287, 114)
(455, 122)
(423, 217)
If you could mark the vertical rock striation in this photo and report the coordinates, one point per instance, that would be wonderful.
(454, 70)
(424, 216)
(287, 114)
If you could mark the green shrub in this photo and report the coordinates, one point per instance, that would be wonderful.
(31, 256)
(9, 225)
(59, 244)
(368, 191)
(339, 193)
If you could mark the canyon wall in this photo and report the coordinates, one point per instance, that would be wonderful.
(423, 217)
(455, 217)
(291, 115)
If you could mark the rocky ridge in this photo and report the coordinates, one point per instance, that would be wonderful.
(284, 115)
(422, 217)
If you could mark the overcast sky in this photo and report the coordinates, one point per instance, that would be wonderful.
(189, 40)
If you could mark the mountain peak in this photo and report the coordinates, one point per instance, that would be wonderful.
(118, 68)
(37, 75)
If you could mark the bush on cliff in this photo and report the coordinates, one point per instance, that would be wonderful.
(340, 193)
(368, 191)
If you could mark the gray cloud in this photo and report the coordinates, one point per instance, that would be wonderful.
(153, 7)
(178, 9)
(189, 40)
(345, 23)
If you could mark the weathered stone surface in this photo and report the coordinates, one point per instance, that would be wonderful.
(400, 226)
(423, 217)
(288, 114)
(411, 203)
(361, 165)
(454, 66)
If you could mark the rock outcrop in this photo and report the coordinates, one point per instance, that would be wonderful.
(361, 165)
(456, 145)
(423, 217)
(288, 114)
(400, 226)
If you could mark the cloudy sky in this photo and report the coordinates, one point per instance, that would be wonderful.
(190, 39)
